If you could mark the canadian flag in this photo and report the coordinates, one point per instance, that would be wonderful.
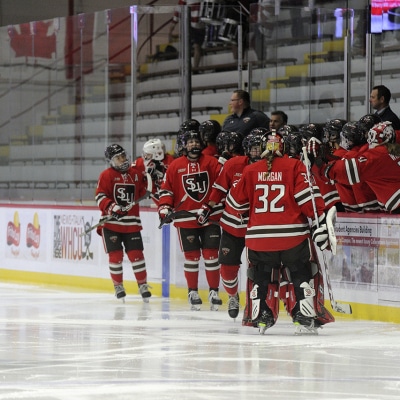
(69, 39)
(33, 39)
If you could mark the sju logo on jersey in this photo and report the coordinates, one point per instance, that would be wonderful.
(124, 193)
(196, 185)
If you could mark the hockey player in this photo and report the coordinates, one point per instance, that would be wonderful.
(378, 167)
(188, 125)
(229, 144)
(330, 134)
(276, 194)
(119, 186)
(208, 132)
(155, 162)
(186, 187)
(233, 228)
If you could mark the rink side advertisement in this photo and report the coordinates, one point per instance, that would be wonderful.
(367, 263)
(52, 240)
(49, 239)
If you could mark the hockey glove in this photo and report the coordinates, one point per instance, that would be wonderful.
(116, 211)
(156, 170)
(320, 235)
(203, 214)
(318, 152)
(225, 156)
(164, 213)
(321, 238)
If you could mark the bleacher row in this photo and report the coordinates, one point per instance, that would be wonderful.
(296, 82)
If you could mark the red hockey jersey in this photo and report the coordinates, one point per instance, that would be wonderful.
(187, 185)
(279, 203)
(376, 167)
(123, 189)
(162, 167)
(230, 174)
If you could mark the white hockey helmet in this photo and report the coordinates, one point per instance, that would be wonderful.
(153, 150)
(381, 133)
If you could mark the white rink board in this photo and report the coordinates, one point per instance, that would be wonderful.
(47, 239)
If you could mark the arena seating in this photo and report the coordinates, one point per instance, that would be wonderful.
(305, 81)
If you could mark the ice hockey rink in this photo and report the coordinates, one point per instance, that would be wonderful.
(61, 345)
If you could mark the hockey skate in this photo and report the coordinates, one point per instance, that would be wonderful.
(305, 325)
(233, 306)
(265, 321)
(194, 300)
(120, 292)
(214, 300)
(145, 292)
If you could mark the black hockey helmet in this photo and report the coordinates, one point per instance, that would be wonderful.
(311, 130)
(252, 140)
(293, 144)
(189, 125)
(286, 129)
(220, 141)
(192, 134)
(332, 130)
(209, 130)
(233, 143)
(351, 136)
(366, 122)
(116, 150)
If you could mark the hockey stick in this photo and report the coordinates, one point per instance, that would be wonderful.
(338, 307)
(182, 214)
(106, 218)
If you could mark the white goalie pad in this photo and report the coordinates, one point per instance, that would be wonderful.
(307, 304)
(330, 225)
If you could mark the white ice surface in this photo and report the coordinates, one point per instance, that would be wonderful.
(63, 345)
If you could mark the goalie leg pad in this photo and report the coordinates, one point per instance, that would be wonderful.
(286, 291)
(307, 304)
(323, 315)
(261, 302)
(255, 300)
(272, 299)
(287, 295)
(247, 321)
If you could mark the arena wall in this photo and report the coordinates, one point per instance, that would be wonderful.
(44, 245)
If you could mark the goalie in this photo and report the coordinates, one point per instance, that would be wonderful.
(276, 194)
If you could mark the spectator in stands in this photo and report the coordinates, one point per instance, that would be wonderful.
(197, 28)
(238, 11)
(278, 120)
(379, 99)
(243, 118)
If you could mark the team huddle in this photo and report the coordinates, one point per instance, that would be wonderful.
(226, 192)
